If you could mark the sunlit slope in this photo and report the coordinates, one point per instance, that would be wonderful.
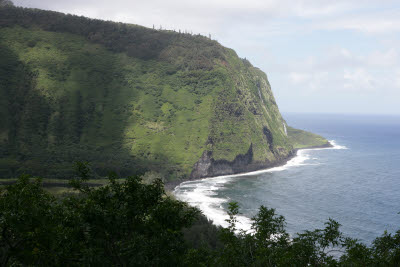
(304, 139)
(129, 99)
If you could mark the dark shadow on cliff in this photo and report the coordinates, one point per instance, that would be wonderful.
(44, 136)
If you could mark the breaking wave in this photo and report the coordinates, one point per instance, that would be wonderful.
(203, 193)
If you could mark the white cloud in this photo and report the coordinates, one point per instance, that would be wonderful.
(397, 79)
(387, 58)
(345, 53)
(299, 78)
(370, 25)
(310, 82)
(342, 70)
(359, 80)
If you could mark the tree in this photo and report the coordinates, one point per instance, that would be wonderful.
(6, 3)
(268, 244)
(123, 223)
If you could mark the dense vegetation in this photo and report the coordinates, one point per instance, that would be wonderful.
(303, 139)
(126, 98)
(6, 3)
(136, 224)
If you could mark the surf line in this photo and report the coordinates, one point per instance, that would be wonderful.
(202, 193)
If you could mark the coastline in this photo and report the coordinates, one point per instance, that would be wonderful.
(170, 186)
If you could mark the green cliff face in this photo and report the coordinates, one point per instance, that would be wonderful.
(129, 99)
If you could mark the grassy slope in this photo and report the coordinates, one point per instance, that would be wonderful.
(106, 102)
(125, 98)
(304, 139)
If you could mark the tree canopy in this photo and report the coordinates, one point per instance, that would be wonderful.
(6, 3)
(130, 223)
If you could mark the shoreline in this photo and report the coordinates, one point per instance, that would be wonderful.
(170, 186)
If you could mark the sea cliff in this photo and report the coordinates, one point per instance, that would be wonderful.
(131, 100)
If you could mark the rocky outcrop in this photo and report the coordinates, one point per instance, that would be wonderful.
(209, 167)
(202, 167)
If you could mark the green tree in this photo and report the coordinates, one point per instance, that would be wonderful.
(123, 223)
(268, 244)
(6, 3)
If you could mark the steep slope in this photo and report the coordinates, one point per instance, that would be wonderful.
(129, 99)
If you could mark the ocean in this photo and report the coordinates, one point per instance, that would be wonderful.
(357, 182)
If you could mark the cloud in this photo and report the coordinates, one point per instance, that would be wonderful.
(387, 58)
(310, 82)
(359, 80)
(382, 24)
(299, 78)
(341, 70)
(397, 79)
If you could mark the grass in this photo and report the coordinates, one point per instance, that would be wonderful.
(304, 139)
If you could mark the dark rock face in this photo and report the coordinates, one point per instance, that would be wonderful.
(269, 137)
(208, 167)
(200, 169)
(221, 167)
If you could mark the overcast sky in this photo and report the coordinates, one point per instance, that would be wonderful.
(320, 56)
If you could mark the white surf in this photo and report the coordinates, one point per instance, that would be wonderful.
(203, 193)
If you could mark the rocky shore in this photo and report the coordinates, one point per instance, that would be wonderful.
(207, 167)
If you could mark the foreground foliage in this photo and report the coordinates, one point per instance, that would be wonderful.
(126, 223)
(130, 223)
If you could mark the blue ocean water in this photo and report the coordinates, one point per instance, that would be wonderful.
(357, 183)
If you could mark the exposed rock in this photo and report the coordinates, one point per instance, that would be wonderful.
(269, 137)
(209, 167)
(201, 168)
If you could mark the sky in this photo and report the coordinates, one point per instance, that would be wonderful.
(321, 56)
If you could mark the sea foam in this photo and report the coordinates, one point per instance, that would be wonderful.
(203, 193)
